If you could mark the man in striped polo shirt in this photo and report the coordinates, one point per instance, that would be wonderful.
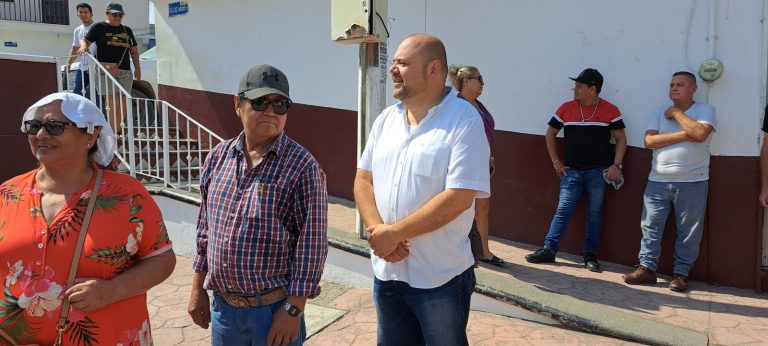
(589, 122)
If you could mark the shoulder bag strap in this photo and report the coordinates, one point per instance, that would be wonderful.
(61, 326)
(126, 49)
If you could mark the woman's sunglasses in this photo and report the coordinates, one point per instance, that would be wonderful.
(53, 127)
(279, 106)
(478, 77)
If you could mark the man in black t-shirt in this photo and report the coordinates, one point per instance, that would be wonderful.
(589, 122)
(115, 44)
(764, 162)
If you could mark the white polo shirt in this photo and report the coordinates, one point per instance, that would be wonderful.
(411, 165)
(686, 161)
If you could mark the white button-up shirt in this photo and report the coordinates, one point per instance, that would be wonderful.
(410, 165)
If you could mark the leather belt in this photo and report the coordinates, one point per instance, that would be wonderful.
(267, 298)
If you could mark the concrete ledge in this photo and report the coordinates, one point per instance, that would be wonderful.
(572, 312)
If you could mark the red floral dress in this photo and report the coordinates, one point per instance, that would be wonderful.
(35, 258)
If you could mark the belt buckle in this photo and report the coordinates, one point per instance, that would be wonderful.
(238, 301)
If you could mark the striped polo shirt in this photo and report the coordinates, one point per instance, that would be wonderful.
(588, 132)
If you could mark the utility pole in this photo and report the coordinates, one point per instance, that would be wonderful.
(371, 100)
(363, 22)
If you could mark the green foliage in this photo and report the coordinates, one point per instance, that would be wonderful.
(82, 332)
(111, 255)
(162, 236)
(9, 193)
(15, 324)
(108, 203)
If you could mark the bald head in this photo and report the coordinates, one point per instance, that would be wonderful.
(430, 48)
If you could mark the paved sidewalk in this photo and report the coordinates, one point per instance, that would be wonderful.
(356, 326)
(728, 316)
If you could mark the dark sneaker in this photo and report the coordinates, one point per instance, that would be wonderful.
(641, 276)
(590, 262)
(679, 283)
(541, 256)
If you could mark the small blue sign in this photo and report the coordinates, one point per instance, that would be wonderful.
(11, 44)
(177, 8)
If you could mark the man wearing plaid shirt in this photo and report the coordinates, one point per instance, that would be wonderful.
(262, 229)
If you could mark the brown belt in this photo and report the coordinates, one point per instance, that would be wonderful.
(267, 298)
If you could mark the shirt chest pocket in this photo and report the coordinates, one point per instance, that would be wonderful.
(262, 202)
(431, 161)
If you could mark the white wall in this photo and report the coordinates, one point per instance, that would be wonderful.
(181, 222)
(56, 40)
(526, 49)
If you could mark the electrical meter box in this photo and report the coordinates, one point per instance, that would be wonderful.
(359, 21)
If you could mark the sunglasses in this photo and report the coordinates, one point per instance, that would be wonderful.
(279, 106)
(53, 127)
(118, 15)
(478, 77)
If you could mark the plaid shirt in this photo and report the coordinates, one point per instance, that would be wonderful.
(265, 227)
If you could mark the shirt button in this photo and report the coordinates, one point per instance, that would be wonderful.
(43, 232)
(226, 240)
(38, 262)
(232, 215)
(224, 265)
(40, 246)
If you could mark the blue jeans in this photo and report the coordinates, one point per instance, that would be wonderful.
(433, 316)
(231, 326)
(689, 202)
(83, 80)
(571, 187)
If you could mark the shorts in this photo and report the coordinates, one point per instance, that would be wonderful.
(106, 87)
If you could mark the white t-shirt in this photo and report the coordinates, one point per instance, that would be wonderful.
(686, 161)
(447, 149)
(80, 31)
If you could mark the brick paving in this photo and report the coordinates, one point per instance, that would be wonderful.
(729, 316)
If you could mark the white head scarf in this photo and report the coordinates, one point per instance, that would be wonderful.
(86, 115)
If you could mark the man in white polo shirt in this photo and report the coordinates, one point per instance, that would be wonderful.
(424, 164)
(679, 181)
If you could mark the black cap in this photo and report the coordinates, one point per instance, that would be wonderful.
(263, 80)
(114, 7)
(590, 76)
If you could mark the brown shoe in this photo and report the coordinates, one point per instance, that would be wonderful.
(641, 276)
(679, 283)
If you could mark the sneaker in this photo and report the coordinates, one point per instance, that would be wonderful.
(541, 256)
(590, 262)
(679, 283)
(641, 276)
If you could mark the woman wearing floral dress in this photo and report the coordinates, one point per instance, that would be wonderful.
(126, 251)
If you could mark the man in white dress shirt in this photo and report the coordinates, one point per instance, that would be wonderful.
(424, 164)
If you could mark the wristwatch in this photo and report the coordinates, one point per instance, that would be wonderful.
(292, 310)
(618, 165)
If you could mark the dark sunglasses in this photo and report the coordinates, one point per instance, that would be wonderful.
(279, 106)
(478, 77)
(118, 15)
(53, 127)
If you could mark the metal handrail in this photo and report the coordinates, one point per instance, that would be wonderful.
(146, 125)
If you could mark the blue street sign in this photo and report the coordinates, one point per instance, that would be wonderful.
(10, 44)
(177, 8)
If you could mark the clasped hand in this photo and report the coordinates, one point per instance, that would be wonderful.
(385, 243)
(90, 294)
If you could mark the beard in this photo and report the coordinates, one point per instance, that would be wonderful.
(403, 93)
